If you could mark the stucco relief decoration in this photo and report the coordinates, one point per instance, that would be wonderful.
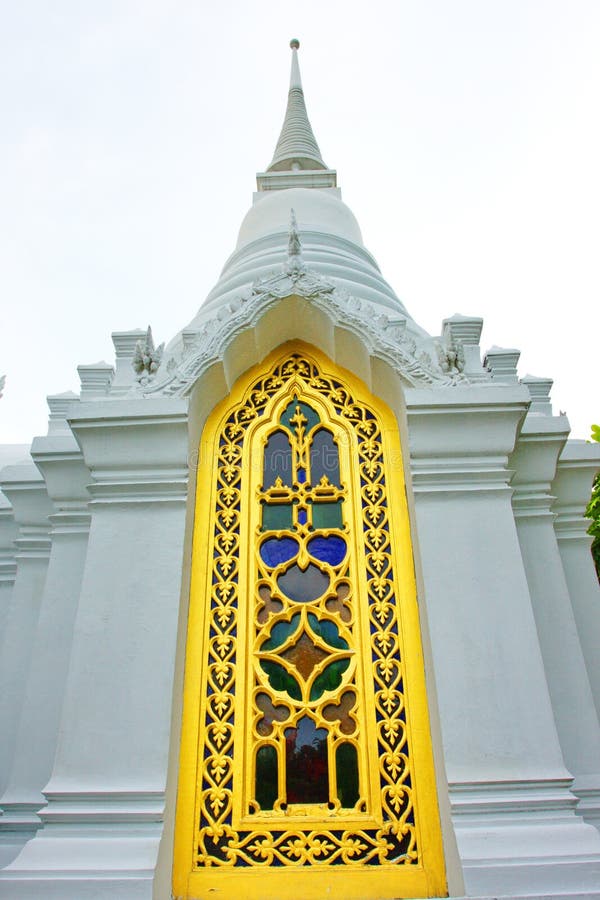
(451, 356)
(387, 338)
(147, 358)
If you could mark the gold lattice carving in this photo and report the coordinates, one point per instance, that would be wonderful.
(368, 709)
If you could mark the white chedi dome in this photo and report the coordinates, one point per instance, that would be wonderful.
(332, 248)
(316, 210)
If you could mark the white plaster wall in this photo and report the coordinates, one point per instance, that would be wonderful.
(105, 796)
(114, 731)
(510, 790)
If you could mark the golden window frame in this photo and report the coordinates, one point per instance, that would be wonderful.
(389, 843)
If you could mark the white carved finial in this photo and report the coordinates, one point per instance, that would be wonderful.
(147, 358)
(295, 263)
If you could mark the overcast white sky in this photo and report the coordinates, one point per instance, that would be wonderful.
(466, 136)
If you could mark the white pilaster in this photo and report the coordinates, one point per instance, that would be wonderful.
(8, 564)
(103, 821)
(577, 465)
(25, 489)
(541, 440)
(510, 790)
(60, 461)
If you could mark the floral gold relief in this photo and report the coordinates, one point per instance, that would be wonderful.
(305, 738)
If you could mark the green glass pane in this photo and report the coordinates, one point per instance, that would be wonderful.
(266, 777)
(327, 630)
(276, 516)
(327, 515)
(330, 679)
(280, 679)
(346, 770)
(309, 414)
(281, 631)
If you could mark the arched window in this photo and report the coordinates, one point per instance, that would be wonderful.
(305, 740)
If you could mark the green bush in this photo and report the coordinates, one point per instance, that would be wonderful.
(593, 510)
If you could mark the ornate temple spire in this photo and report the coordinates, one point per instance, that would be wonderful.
(296, 148)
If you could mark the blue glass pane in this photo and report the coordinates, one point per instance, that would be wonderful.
(280, 632)
(300, 475)
(330, 679)
(327, 630)
(303, 586)
(302, 517)
(278, 550)
(324, 458)
(331, 549)
(277, 460)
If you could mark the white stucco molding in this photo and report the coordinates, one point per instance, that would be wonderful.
(386, 338)
(25, 489)
(8, 566)
(577, 466)
(461, 438)
(59, 459)
(135, 449)
(534, 460)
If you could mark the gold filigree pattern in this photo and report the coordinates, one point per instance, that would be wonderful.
(390, 832)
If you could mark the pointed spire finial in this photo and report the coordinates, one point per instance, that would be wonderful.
(296, 148)
(295, 263)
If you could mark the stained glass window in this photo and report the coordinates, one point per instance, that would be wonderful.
(305, 737)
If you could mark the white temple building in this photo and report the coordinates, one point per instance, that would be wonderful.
(306, 589)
